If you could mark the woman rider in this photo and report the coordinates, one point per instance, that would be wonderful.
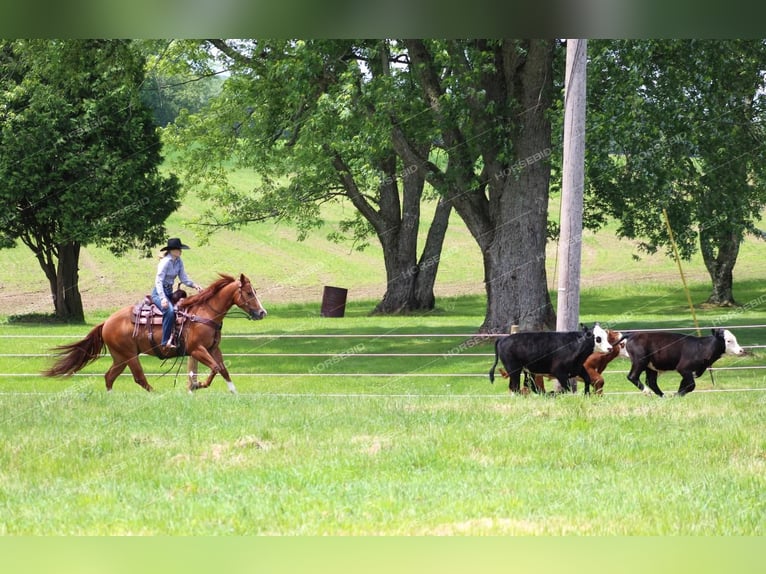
(170, 266)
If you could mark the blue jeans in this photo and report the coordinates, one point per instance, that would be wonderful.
(168, 313)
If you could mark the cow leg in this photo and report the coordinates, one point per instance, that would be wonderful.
(595, 379)
(634, 376)
(514, 379)
(586, 378)
(530, 382)
(526, 385)
(563, 378)
(598, 385)
(651, 382)
(687, 383)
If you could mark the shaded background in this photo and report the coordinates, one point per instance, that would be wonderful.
(389, 18)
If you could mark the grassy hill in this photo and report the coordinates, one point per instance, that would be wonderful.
(288, 271)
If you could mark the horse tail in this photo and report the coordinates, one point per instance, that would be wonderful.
(75, 356)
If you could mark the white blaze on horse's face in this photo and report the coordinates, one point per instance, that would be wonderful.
(262, 313)
(600, 340)
(732, 347)
(249, 300)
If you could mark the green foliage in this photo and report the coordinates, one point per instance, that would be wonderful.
(677, 125)
(293, 112)
(79, 154)
(167, 92)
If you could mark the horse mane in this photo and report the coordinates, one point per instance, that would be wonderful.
(208, 293)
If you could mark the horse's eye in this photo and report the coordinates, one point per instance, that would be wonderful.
(598, 339)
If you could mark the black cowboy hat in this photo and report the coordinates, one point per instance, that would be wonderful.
(174, 243)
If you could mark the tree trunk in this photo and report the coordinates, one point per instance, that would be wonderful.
(719, 252)
(396, 222)
(67, 299)
(410, 284)
(431, 256)
(409, 281)
(505, 207)
(514, 263)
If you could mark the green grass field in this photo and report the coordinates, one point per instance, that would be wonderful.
(429, 447)
(331, 436)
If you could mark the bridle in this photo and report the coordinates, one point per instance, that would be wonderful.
(244, 301)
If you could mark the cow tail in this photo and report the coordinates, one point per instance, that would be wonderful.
(492, 370)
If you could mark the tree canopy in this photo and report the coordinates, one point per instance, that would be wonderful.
(677, 125)
(79, 156)
(373, 120)
(313, 119)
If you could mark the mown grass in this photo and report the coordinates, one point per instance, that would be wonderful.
(326, 445)
(264, 464)
(415, 452)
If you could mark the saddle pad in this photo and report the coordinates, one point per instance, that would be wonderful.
(145, 311)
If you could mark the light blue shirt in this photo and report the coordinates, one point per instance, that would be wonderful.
(167, 271)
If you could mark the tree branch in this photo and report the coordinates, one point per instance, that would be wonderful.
(353, 192)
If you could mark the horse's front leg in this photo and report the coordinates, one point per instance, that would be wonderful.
(214, 361)
(193, 368)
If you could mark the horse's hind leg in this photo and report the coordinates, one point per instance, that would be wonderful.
(138, 373)
(113, 372)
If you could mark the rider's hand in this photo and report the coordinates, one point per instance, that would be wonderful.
(164, 303)
(198, 287)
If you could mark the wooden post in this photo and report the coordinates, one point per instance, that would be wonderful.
(573, 180)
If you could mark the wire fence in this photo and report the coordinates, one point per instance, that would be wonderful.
(454, 353)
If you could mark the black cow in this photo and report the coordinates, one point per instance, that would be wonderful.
(655, 352)
(557, 354)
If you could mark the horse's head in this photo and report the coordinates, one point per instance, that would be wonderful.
(247, 300)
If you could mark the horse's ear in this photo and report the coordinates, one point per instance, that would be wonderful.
(242, 279)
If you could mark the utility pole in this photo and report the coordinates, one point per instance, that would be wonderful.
(573, 181)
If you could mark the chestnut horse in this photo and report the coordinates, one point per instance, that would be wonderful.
(202, 333)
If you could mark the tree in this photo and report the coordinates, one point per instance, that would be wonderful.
(166, 90)
(79, 157)
(310, 118)
(492, 103)
(677, 125)
(470, 117)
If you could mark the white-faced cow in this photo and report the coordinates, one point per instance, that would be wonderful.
(557, 354)
(655, 352)
(595, 364)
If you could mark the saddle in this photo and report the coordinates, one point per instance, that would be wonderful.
(145, 312)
